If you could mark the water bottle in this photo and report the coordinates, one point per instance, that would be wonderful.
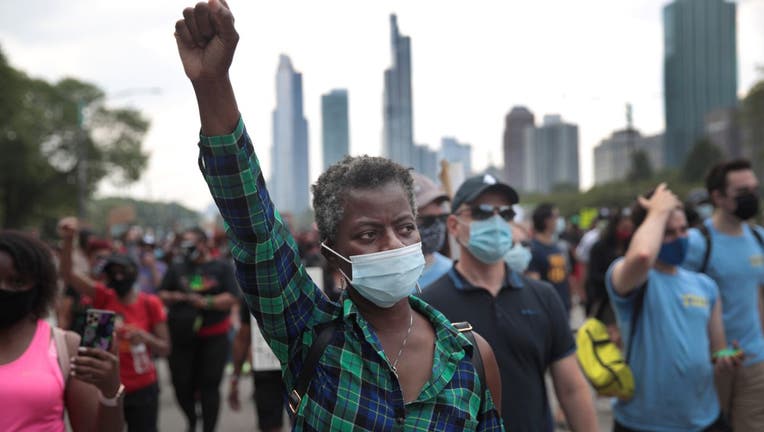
(141, 359)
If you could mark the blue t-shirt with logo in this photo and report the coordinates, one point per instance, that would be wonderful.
(736, 264)
(671, 354)
(440, 266)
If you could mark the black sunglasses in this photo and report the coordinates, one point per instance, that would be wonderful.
(485, 211)
(426, 221)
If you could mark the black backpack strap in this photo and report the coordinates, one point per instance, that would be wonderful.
(465, 328)
(757, 236)
(639, 302)
(324, 334)
(707, 236)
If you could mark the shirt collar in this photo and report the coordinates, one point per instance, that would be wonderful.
(511, 279)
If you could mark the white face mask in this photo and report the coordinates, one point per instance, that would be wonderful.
(385, 278)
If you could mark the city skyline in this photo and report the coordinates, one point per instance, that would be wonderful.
(464, 84)
(335, 126)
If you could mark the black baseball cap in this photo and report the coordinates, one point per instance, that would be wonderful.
(120, 260)
(474, 186)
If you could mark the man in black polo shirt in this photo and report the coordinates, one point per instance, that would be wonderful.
(522, 319)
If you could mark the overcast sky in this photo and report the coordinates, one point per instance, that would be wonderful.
(472, 61)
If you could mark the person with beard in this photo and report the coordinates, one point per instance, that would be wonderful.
(199, 292)
(141, 327)
(35, 368)
(731, 251)
(432, 212)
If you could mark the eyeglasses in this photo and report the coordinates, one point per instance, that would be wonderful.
(485, 211)
(426, 221)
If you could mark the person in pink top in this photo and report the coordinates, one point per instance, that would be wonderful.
(34, 359)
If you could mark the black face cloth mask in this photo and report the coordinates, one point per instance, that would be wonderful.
(747, 206)
(15, 305)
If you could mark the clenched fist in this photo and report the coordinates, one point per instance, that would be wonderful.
(206, 40)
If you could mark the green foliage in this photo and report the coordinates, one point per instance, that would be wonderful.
(702, 157)
(752, 121)
(615, 194)
(158, 216)
(641, 168)
(41, 131)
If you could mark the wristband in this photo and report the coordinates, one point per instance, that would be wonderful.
(113, 401)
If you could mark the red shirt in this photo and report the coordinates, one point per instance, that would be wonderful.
(144, 313)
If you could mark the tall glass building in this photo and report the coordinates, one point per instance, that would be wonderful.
(335, 126)
(699, 69)
(398, 130)
(289, 184)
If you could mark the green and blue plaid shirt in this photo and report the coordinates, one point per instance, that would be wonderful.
(353, 387)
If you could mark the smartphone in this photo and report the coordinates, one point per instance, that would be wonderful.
(99, 328)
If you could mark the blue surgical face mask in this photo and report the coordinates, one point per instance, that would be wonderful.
(518, 258)
(490, 239)
(673, 253)
(385, 278)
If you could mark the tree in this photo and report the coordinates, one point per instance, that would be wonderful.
(41, 129)
(702, 157)
(641, 168)
(752, 122)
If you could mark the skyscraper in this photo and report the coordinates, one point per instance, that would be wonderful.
(398, 133)
(551, 155)
(699, 69)
(613, 156)
(289, 183)
(515, 123)
(454, 151)
(335, 129)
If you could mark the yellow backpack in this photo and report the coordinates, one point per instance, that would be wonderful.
(602, 362)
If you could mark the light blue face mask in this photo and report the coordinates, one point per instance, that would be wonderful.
(385, 278)
(518, 258)
(490, 239)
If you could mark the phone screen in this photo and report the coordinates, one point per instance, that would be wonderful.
(99, 327)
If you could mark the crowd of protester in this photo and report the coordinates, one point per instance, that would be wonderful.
(403, 307)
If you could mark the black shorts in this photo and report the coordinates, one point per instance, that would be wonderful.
(269, 398)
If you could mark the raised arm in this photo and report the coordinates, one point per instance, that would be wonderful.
(275, 285)
(67, 229)
(631, 272)
(206, 40)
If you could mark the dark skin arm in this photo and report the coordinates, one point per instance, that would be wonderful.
(92, 371)
(67, 229)
(240, 350)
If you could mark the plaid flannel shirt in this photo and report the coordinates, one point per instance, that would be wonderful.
(353, 387)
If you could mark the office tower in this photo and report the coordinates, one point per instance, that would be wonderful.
(613, 156)
(699, 69)
(398, 134)
(454, 151)
(289, 184)
(515, 123)
(335, 126)
(551, 155)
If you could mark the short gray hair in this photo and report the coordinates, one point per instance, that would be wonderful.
(354, 172)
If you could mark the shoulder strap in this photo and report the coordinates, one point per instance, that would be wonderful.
(757, 236)
(62, 351)
(707, 236)
(638, 304)
(465, 328)
(324, 333)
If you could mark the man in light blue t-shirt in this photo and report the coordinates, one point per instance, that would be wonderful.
(679, 326)
(730, 253)
(432, 211)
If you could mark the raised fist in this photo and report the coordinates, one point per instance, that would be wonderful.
(206, 40)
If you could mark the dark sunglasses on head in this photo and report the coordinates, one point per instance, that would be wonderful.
(426, 221)
(485, 211)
